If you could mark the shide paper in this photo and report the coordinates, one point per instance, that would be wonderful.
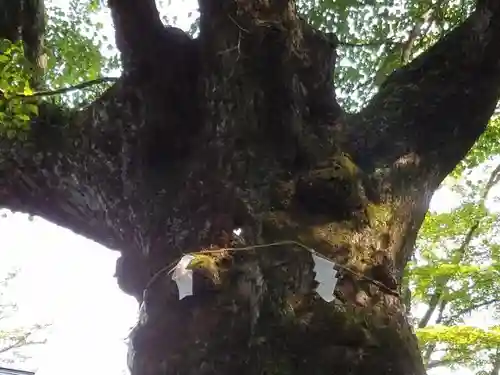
(325, 276)
(183, 277)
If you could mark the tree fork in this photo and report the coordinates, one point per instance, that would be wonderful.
(267, 157)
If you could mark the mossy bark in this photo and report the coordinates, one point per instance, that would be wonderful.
(240, 128)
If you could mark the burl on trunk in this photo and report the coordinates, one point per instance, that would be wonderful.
(240, 129)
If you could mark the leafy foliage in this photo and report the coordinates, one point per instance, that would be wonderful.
(74, 51)
(485, 148)
(75, 45)
(15, 112)
(455, 277)
(378, 36)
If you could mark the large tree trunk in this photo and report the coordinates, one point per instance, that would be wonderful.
(240, 128)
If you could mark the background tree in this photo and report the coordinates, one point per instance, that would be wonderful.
(240, 129)
(15, 338)
(65, 40)
(455, 273)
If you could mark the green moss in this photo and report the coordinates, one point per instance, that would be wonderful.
(206, 264)
(379, 214)
(338, 166)
(347, 164)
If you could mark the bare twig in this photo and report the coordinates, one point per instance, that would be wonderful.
(450, 319)
(416, 31)
(21, 341)
(430, 349)
(375, 43)
(443, 280)
(437, 363)
(64, 90)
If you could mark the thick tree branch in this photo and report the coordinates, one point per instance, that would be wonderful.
(38, 175)
(164, 63)
(36, 178)
(93, 172)
(88, 171)
(10, 20)
(452, 318)
(425, 118)
(143, 41)
(429, 350)
(137, 25)
(33, 30)
(268, 40)
(78, 173)
(437, 105)
(438, 363)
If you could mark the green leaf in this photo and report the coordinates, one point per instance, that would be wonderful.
(32, 109)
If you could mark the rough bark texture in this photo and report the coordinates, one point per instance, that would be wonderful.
(240, 128)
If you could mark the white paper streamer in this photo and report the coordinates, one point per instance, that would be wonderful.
(184, 277)
(325, 276)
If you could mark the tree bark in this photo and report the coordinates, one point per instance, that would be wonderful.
(240, 128)
(24, 20)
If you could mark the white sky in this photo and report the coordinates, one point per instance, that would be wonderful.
(68, 280)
